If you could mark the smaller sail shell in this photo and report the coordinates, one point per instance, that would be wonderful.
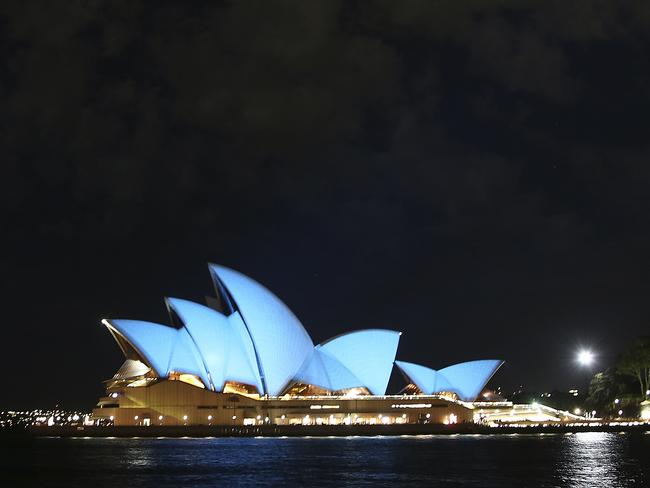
(367, 354)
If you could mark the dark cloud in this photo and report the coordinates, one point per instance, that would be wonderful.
(473, 174)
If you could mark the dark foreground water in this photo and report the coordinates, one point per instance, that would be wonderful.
(552, 460)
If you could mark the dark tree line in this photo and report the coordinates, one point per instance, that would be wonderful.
(628, 380)
(635, 362)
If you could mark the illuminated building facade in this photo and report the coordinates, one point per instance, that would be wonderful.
(247, 360)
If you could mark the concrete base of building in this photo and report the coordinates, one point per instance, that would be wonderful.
(175, 403)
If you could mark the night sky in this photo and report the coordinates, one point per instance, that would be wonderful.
(475, 174)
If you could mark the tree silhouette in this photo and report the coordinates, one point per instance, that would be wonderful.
(635, 362)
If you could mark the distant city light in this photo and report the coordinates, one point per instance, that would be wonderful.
(41, 417)
(585, 357)
(577, 411)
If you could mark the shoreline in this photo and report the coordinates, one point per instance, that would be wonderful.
(314, 431)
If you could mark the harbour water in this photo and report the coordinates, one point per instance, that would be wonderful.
(589, 459)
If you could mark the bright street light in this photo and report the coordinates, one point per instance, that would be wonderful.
(585, 357)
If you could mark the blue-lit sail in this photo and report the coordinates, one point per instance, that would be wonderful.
(153, 342)
(221, 343)
(468, 379)
(280, 340)
(258, 341)
(242, 364)
(465, 379)
(185, 357)
(421, 376)
(321, 369)
(367, 354)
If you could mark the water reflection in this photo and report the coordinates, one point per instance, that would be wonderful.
(595, 459)
(579, 460)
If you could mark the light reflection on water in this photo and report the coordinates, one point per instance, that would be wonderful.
(599, 459)
(578, 460)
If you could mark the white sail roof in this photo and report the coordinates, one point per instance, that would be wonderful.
(280, 341)
(258, 341)
(368, 354)
(321, 369)
(225, 348)
(465, 379)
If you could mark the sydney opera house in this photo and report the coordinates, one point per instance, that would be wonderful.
(245, 359)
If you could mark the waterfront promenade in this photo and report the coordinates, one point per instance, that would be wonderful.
(333, 430)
